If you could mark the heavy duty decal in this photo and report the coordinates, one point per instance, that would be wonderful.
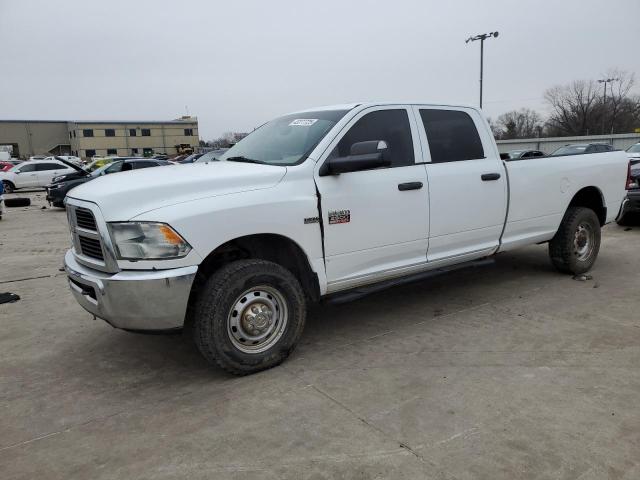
(339, 216)
(311, 220)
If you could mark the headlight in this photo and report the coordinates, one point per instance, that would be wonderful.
(147, 241)
(57, 179)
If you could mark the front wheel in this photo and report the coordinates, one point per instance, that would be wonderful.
(576, 244)
(249, 316)
(8, 186)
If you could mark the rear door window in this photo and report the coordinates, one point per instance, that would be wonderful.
(452, 136)
(42, 167)
(391, 126)
(143, 164)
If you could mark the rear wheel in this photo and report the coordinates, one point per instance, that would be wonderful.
(576, 244)
(8, 186)
(249, 316)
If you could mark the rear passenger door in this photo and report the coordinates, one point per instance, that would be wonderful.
(46, 172)
(467, 183)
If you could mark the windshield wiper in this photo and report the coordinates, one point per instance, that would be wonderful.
(245, 160)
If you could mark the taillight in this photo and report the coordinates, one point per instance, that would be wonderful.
(633, 181)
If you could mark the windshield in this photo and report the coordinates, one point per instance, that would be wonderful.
(96, 164)
(515, 153)
(634, 148)
(111, 166)
(569, 150)
(286, 140)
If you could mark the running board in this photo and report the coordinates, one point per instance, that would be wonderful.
(359, 292)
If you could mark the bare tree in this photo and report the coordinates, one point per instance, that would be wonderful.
(575, 108)
(580, 107)
(620, 111)
(523, 123)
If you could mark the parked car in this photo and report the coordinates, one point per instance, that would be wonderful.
(580, 148)
(315, 204)
(61, 185)
(513, 154)
(34, 174)
(633, 152)
(631, 204)
(6, 165)
(211, 156)
(37, 157)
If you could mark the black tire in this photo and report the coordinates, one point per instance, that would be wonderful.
(17, 202)
(217, 307)
(571, 249)
(8, 186)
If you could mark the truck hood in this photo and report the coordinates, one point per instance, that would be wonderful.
(122, 196)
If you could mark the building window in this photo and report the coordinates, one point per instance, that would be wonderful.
(69, 135)
(146, 132)
(89, 153)
(134, 151)
(147, 152)
(188, 132)
(74, 134)
(112, 151)
(88, 132)
(132, 132)
(109, 132)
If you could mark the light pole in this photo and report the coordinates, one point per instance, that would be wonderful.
(482, 37)
(604, 101)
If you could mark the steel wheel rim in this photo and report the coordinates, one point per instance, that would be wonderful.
(584, 241)
(257, 319)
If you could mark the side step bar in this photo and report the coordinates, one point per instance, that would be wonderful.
(359, 292)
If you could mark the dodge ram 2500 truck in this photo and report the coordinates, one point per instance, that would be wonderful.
(315, 203)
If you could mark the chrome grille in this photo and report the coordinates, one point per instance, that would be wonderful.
(91, 244)
(85, 219)
(90, 247)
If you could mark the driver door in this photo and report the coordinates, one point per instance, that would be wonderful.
(375, 221)
(28, 177)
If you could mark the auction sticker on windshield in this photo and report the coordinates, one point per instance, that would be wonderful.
(303, 122)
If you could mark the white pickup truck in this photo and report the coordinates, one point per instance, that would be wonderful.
(316, 203)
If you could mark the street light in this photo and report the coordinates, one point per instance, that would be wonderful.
(482, 37)
(604, 101)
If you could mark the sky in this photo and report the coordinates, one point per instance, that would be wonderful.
(236, 64)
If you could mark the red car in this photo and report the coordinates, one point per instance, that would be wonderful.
(5, 166)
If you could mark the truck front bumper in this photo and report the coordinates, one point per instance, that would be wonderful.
(133, 299)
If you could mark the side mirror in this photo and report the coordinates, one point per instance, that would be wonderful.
(363, 156)
(17, 172)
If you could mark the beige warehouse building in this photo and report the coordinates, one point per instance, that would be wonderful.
(87, 139)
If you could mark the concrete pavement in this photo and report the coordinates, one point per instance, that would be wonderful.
(503, 372)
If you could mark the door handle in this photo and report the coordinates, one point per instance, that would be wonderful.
(486, 177)
(409, 186)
